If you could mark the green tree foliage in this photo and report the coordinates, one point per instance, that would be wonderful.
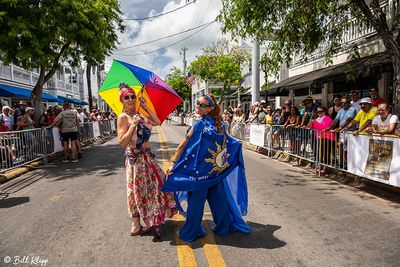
(220, 64)
(44, 34)
(177, 80)
(303, 26)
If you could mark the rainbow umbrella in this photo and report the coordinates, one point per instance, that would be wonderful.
(160, 98)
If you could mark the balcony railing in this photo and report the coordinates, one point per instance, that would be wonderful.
(20, 75)
(354, 34)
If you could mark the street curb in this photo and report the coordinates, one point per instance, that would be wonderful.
(7, 176)
(14, 173)
(255, 148)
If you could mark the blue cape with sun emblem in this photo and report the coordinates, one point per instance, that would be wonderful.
(207, 159)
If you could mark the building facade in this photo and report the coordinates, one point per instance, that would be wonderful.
(66, 85)
(373, 69)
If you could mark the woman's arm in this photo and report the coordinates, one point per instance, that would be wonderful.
(389, 130)
(153, 117)
(124, 131)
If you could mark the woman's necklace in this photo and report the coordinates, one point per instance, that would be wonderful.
(131, 114)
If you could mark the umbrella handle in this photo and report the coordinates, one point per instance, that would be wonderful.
(141, 93)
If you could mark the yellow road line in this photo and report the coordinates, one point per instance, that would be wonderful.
(185, 251)
(213, 254)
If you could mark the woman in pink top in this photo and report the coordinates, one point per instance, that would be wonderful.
(326, 139)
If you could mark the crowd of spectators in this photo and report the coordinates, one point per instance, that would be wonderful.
(72, 122)
(21, 116)
(349, 113)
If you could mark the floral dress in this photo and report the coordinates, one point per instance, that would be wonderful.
(144, 182)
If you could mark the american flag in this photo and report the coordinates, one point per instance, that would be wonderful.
(190, 78)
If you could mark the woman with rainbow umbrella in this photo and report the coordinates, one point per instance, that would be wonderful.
(140, 109)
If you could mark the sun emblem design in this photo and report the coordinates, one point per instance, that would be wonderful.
(219, 159)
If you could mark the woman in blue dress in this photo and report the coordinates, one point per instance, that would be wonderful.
(208, 165)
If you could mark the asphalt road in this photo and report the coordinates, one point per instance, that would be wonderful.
(75, 214)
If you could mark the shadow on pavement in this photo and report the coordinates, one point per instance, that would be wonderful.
(13, 201)
(100, 160)
(261, 236)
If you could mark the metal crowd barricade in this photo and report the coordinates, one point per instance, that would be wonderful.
(295, 141)
(238, 130)
(333, 152)
(22, 147)
(324, 149)
(18, 148)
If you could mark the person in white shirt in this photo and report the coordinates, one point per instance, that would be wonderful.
(7, 117)
(355, 99)
(384, 122)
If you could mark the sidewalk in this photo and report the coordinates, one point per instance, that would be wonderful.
(11, 174)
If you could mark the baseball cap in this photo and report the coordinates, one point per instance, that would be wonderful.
(29, 108)
(366, 100)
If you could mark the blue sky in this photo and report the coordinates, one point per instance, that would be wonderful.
(137, 32)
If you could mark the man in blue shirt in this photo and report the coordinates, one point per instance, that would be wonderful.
(344, 116)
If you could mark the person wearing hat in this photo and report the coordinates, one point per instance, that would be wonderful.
(27, 121)
(19, 111)
(308, 111)
(364, 116)
(376, 99)
(260, 113)
(7, 117)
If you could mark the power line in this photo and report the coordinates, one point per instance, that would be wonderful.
(187, 37)
(159, 39)
(162, 14)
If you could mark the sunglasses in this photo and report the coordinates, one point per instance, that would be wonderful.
(320, 111)
(202, 105)
(344, 103)
(131, 97)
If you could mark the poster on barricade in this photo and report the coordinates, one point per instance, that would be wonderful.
(56, 140)
(257, 134)
(96, 129)
(379, 158)
(375, 157)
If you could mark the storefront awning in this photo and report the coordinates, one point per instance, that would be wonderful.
(17, 92)
(72, 100)
(304, 80)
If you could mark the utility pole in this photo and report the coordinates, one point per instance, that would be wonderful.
(184, 69)
(255, 69)
(184, 59)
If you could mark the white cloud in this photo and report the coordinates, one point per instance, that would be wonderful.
(183, 19)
